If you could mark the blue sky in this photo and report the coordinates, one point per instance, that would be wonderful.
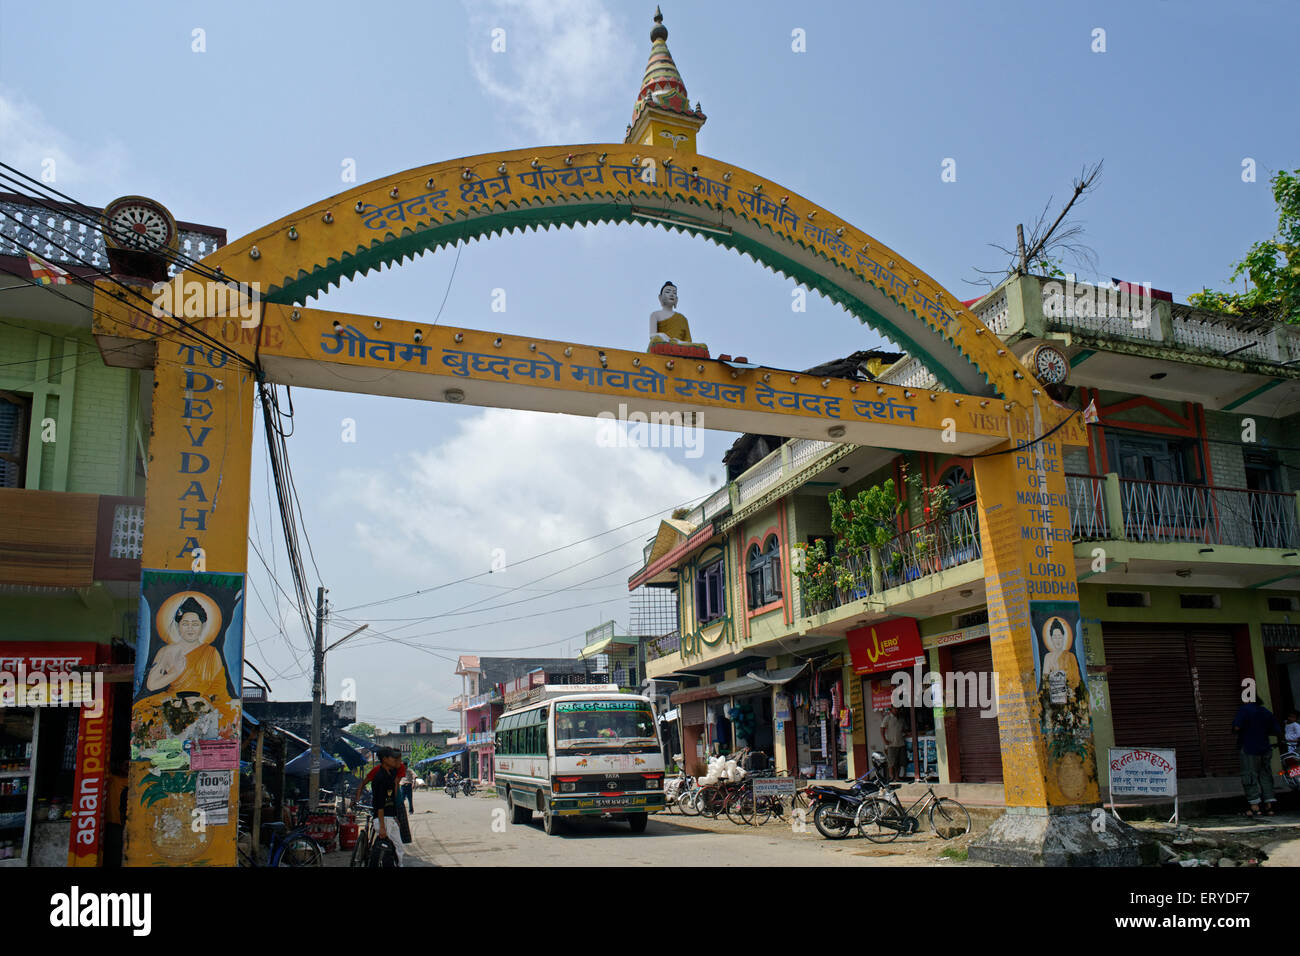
(260, 123)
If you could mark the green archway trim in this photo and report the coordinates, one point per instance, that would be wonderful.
(421, 210)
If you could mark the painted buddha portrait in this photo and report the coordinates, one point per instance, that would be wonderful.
(1060, 668)
(188, 623)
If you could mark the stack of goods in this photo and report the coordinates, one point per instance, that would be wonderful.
(722, 769)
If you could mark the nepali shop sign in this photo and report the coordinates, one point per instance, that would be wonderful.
(1137, 771)
(886, 646)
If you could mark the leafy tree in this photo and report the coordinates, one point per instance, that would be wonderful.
(1271, 265)
(365, 730)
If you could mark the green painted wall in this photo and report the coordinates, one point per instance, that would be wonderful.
(95, 409)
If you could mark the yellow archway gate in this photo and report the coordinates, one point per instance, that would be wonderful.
(187, 708)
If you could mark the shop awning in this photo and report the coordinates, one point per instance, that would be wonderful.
(349, 755)
(740, 686)
(778, 677)
(300, 766)
(447, 756)
(358, 741)
(691, 694)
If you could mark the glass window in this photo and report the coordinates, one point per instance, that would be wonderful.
(709, 604)
(587, 723)
(15, 413)
(763, 575)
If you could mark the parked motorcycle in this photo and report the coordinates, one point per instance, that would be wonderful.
(467, 787)
(1290, 771)
(835, 806)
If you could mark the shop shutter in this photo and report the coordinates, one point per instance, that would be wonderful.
(1219, 687)
(978, 748)
(1151, 696)
(692, 714)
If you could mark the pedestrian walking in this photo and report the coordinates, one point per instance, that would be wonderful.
(891, 726)
(383, 788)
(408, 791)
(1254, 724)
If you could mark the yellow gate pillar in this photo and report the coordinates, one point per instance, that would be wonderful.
(1049, 761)
(182, 807)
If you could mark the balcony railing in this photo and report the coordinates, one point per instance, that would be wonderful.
(478, 739)
(913, 554)
(1167, 512)
(1162, 511)
(1087, 495)
(658, 647)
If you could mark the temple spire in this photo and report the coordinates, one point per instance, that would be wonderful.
(663, 115)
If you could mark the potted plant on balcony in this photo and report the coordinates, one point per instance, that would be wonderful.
(817, 576)
(865, 524)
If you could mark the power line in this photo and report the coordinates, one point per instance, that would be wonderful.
(564, 547)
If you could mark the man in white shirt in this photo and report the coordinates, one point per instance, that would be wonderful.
(891, 726)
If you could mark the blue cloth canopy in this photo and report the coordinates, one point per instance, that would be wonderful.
(447, 756)
(300, 766)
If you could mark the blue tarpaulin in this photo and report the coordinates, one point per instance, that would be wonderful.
(447, 756)
(300, 766)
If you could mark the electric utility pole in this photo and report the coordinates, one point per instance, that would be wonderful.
(317, 689)
(318, 692)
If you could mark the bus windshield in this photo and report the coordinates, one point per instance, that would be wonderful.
(585, 723)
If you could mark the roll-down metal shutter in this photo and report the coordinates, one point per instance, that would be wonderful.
(978, 749)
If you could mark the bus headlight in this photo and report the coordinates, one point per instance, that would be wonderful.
(652, 784)
(568, 787)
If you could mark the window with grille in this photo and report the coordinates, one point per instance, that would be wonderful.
(708, 593)
(763, 573)
(15, 419)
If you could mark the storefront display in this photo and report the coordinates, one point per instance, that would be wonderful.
(50, 754)
(17, 732)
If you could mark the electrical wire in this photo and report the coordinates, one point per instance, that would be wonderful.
(90, 217)
(542, 554)
(128, 289)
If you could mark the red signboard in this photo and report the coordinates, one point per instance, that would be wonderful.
(46, 656)
(886, 646)
(86, 839)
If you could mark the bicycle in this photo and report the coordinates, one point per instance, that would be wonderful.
(293, 848)
(882, 819)
(742, 806)
(365, 848)
(682, 797)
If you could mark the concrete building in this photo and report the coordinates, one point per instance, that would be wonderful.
(74, 448)
(1184, 526)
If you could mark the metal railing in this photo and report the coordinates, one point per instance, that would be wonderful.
(1160, 511)
(1087, 498)
(908, 556)
(658, 647)
(934, 546)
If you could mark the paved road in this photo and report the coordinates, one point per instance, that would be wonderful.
(476, 831)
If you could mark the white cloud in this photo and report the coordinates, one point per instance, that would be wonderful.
(522, 482)
(32, 144)
(559, 58)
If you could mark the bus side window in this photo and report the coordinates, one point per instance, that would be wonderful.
(541, 738)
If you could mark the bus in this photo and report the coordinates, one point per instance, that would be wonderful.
(581, 754)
